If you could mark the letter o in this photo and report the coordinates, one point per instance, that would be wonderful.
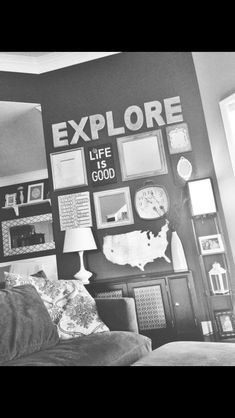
(127, 118)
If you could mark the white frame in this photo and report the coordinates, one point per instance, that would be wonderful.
(131, 163)
(10, 199)
(180, 149)
(73, 173)
(30, 188)
(220, 249)
(111, 192)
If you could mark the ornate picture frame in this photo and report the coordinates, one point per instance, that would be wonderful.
(178, 138)
(142, 155)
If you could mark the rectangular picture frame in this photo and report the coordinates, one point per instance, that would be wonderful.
(35, 192)
(68, 169)
(178, 138)
(211, 244)
(225, 323)
(113, 208)
(142, 155)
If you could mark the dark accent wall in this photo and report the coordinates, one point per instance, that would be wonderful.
(112, 84)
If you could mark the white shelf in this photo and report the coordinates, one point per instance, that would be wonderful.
(16, 207)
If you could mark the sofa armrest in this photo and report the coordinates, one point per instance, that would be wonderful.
(119, 314)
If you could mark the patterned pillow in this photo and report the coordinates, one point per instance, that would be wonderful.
(70, 305)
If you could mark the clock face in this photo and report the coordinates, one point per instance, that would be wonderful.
(151, 202)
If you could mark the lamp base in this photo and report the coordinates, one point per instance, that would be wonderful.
(83, 275)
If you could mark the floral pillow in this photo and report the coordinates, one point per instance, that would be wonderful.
(70, 305)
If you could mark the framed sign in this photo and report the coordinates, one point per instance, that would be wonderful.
(68, 169)
(178, 138)
(113, 208)
(10, 199)
(35, 192)
(101, 165)
(225, 323)
(75, 210)
(142, 155)
(211, 244)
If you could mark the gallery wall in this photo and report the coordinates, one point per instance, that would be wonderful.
(113, 84)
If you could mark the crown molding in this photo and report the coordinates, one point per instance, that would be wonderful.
(48, 62)
(24, 177)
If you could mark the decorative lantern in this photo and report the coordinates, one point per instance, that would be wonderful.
(218, 279)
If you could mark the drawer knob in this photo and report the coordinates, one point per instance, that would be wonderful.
(177, 304)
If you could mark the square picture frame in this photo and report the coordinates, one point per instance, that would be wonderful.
(178, 138)
(142, 155)
(113, 208)
(68, 169)
(211, 244)
(225, 323)
(10, 199)
(35, 192)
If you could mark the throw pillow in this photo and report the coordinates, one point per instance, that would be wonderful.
(25, 325)
(70, 305)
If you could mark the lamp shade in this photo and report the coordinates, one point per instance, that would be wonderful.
(79, 239)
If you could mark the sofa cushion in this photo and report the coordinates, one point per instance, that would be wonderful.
(25, 325)
(114, 348)
(70, 305)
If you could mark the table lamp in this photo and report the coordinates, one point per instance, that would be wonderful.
(80, 240)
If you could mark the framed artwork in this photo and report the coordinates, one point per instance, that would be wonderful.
(68, 169)
(202, 199)
(27, 235)
(142, 155)
(113, 208)
(10, 199)
(101, 165)
(151, 201)
(35, 192)
(225, 323)
(211, 244)
(178, 138)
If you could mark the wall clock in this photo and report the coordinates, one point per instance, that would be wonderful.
(151, 201)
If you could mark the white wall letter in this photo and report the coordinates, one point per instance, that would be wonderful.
(79, 130)
(171, 108)
(111, 130)
(153, 110)
(97, 122)
(127, 118)
(58, 134)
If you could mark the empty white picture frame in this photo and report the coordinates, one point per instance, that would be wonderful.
(201, 197)
(142, 155)
(68, 169)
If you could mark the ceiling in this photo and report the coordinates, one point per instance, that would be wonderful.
(41, 62)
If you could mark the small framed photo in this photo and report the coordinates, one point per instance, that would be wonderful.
(211, 244)
(35, 192)
(178, 138)
(225, 323)
(68, 169)
(10, 199)
(142, 155)
(113, 208)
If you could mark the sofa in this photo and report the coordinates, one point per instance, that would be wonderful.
(29, 337)
(190, 353)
